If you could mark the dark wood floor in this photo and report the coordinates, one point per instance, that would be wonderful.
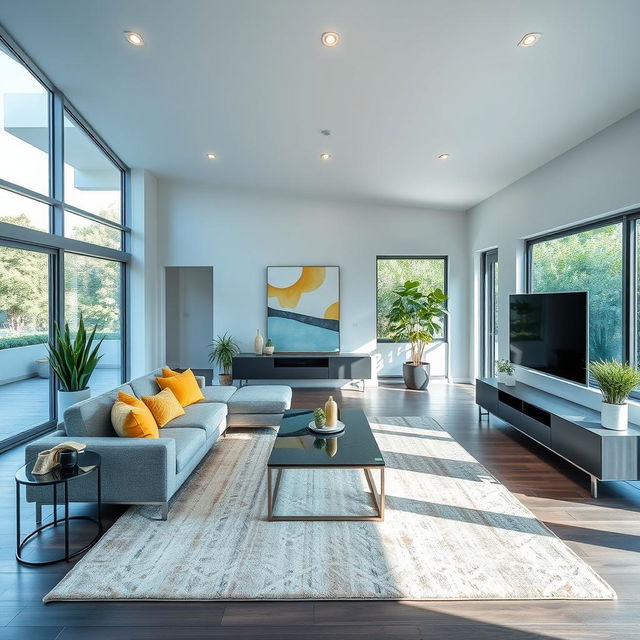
(605, 532)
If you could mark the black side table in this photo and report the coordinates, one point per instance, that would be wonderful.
(88, 463)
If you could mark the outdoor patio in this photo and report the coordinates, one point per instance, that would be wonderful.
(25, 403)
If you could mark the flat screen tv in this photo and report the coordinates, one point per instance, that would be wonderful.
(548, 332)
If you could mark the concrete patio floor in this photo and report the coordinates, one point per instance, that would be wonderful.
(25, 404)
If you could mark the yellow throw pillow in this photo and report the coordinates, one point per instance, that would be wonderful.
(184, 386)
(169, 373)
(132, 419)
(164, 406)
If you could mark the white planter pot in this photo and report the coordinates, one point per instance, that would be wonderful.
(615, 416)
(68, 398)
(502, 377)
(510, 380)
(42, 368)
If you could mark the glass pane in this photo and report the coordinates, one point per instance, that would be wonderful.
(80, 228)
(587, 261)
(91, 181)
(92, 287)
(24, 323)
(394, 272)
(22, 211)
(24, 133)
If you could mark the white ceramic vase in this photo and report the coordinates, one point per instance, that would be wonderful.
(615, 416)
(509, 379)
(68, 398)
(258, 344)
(502, 377)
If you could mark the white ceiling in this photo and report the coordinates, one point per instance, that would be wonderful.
(410, 79)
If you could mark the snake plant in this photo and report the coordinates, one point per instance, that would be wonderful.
(73, 360)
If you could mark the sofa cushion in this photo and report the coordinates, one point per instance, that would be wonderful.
(188, 443)
(146, 385)
(164, 406)
(268, 398)
(206, 417)
(92, 417)
(218, 393)
(184, 385)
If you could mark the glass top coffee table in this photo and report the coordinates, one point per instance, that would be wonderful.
(296, 447)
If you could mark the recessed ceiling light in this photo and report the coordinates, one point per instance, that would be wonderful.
(529, 39)
(134, 38)
(325, 156)
(330, 39)
(444, 156)
(211, 156)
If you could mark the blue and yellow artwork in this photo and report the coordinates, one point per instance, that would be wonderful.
(303, 308)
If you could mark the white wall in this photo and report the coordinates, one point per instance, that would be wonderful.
(144, 301)
(240, 235)
(598, 177)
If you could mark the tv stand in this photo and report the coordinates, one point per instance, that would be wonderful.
(570, 430)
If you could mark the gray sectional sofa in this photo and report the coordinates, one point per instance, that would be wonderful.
(150, 471)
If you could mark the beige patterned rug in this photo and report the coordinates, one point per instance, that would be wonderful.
(452, 532)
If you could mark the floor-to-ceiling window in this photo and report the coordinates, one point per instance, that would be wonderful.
(391, 273)
(63, 239)
(601, 259)
(489, 312)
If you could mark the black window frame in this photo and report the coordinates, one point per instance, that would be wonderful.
(628, 220)
(445, 324)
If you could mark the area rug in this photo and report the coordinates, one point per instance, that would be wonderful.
(451, 532)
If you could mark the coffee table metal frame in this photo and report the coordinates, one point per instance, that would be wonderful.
(377, 498)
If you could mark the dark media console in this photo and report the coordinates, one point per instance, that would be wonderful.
(303, 366)
(570, 430)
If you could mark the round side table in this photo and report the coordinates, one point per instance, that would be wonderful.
(88, 463)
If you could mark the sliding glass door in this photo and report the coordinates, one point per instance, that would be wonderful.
(26, 276)
(489, 312)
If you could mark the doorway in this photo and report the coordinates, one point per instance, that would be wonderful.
(188, 316)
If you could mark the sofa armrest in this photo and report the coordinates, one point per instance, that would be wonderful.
(133, 469)
(200, 381)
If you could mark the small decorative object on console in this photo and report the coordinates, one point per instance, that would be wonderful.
(258, 343)
(319, 417)
(506, 372)
(269, 348)
(331, 412)
(616, 381)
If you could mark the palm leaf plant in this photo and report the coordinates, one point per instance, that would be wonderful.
(74, 359)
(415, 317)
(223, 350)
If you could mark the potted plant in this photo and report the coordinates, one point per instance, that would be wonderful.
(415, 318)
(269, 348)
(616, 381)
(506, 373)
(73, 362)
(223, 350)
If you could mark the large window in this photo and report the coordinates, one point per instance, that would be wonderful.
(589, 260)
(62, 233)
(602, 259)
(394, 271)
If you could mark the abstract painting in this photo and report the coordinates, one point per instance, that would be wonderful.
(303, 308)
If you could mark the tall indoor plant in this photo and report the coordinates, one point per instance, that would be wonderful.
(616, 382)
(415, 317)
(223, 349)
(73, 361)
